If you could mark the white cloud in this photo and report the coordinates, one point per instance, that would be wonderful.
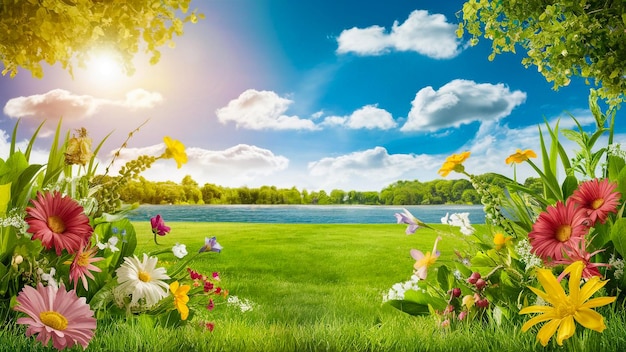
(233, 167)
(369, 170)
(460, 102)
(60, 103)
(259, 110)
(428, 34)
(368, 117)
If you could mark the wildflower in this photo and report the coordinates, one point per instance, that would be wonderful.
(423, 261)
(56, 314)
(111, 244)
(501, 241)
(468, 301)
(179, 250)
(159, 227)
(523, 249)
(78, 149)
(460, 220)
(142, 279)
(520, 156)
(454, 163)
(209, 326)
(563, 310)
(180, 298)
(82, 266)
(407, 218)
(176, 150)
(49, 278)
(579, 253)
(211, 304)
(598, 198)
(58, 222)
(210, 244)
(560, 226)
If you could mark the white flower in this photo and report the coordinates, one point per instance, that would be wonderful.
(244, 305)
(49, 278)
(445, 220)
(111, 244)
(179, 250)
(142, 279)
(618, 265)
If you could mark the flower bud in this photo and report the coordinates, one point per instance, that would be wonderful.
(456, 292)
(480, 284)
(473, 278)
(462, 315)
(18, 259)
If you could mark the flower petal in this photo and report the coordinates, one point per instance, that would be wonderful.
(590, 319)
(566, 329)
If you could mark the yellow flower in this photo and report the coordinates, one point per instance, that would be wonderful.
(453, 163)
(520, 156)
(564, 310)
(468, 301)
(175, 149)
(500, 240)
(180, 298)
(78, 149)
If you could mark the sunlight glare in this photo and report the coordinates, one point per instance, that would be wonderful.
(103, 66)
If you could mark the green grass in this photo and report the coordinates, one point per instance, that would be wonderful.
(314, 288)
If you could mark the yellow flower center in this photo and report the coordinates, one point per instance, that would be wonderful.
(563, 233)
(427, 261)
(597, 203)
(83, 260)
(144, 276)
(54, 320)
(565, 308)
(56, 224)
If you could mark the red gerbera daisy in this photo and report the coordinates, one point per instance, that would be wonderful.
(59, 222)
(598, 198)
(559, 227)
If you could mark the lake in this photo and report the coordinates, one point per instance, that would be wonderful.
(303, 214)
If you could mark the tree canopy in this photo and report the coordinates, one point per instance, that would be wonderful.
(65, 31)
(563, 38)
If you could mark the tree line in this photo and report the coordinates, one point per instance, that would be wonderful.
(413, 192)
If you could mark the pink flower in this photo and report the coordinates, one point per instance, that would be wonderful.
(59, 222)
(423, 261)
(56, 314)
(81, 265)
(158, 226)
(559, 227)
(598, 198)
(579, 253)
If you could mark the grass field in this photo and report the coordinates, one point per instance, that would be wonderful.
(313, 288)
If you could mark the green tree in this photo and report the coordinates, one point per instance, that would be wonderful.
(65, 31)
(565, 38)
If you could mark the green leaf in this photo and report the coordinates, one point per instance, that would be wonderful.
(618, 235)
(616, 165)
(445, 278)
(569, 186)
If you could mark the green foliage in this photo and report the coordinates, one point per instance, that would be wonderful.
(561, 38)
(66, 31)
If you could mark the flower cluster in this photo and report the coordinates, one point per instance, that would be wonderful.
(535, 238)
(67, 249)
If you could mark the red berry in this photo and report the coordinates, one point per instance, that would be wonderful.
(480, 284)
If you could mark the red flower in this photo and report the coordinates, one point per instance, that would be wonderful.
(559, 227)
(59, 222)
(579, 253)
(598, 198)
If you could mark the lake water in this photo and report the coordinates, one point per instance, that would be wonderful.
(303, 214)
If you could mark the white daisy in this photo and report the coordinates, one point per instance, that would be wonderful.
(142, 279)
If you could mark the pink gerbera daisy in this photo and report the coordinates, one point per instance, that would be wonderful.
(559, 227)
(579, 253)
(598, 198)
(56, 314)
(81, 266)
(59, 222)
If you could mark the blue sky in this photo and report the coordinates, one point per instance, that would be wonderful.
(316, 95)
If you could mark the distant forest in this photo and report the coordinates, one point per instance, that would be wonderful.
(414, 192)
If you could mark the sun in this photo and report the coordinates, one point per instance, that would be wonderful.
(104, 66)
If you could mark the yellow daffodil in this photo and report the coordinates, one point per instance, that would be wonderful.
(454, 163)
(176, 150)
(180, 298)
(500, 240)
(520, 156)
(563, 310)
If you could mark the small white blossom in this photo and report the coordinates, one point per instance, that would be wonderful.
(49, 278)
(244, 305)
(618, 265)
(179, 250)
(111, 244)
(396, 292)
(523, 248)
